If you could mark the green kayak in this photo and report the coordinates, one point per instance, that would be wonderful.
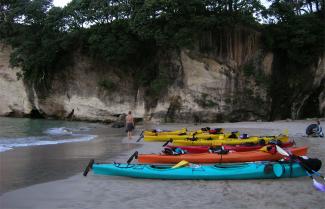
(256, 170)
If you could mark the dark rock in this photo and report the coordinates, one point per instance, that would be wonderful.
(35, 113)
(118, 125)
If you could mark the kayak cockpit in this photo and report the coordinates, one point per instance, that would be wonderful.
(160, 167)
(239, 165)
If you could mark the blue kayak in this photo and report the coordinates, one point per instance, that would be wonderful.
(256, 170)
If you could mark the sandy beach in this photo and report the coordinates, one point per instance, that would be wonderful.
(95, 191)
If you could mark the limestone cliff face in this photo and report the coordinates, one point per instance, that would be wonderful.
(79, 93)
(13, 95)
(216, 86)
(225, 77)
(212, 91)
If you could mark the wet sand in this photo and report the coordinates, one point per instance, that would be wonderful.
(96, 191)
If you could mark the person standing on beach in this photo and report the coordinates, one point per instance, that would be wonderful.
(129, 120)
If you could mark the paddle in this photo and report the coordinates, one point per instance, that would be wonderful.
(135, 155)
(89, 166)
(285, 132)
(282, 151)
(141, 136)
(170, 140)
(181, 164)
(308, 169)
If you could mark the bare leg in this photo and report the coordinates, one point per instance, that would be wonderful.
(129, 134)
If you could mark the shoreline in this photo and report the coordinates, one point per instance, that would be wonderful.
(95, 191)
(29, 165)
(142, 122)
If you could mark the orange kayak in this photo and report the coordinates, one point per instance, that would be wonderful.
(231, 157)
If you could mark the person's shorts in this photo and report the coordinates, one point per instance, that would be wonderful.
(129, 127)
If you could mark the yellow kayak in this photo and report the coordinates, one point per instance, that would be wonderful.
(229, 141)
(163, 138)
(183, 131)
(158, 133)
(191, 135)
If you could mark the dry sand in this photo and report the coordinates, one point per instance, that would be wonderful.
(96, 191)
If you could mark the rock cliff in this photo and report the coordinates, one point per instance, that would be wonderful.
(226, 77)
(14, 100)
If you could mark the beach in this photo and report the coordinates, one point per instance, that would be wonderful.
(95, 191)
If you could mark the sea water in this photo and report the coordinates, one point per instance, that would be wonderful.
(24, 132)
(34, 151)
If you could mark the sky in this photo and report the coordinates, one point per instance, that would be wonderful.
(62, 3)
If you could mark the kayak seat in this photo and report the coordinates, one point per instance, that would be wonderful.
(160, 167)
(261, 142)
(268, 168)
(249, 144)
(175, 151)
(219, 150)
(119, 165)
(231, 165)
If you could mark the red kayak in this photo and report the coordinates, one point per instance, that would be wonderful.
(237, 148)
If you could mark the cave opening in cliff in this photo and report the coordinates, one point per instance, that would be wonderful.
(35, 113)
(311, 106)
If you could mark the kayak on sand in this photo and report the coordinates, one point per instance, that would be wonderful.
(237, 148)
(256, 170)
(230, 141)
(184, 136)
(231, 157)
(157, 132)
(183, 131)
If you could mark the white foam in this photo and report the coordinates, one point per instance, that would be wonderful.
(4, 148)
(65, 131)
(58, 131)
(7, 144)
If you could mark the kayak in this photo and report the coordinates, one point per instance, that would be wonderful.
(183, 131)
(164, 132)
(190, 135)
(237, 148)
(256, 170)
(229, 141)
(231, 157)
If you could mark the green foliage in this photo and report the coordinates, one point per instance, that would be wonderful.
(248, 70)
(36, 36)
(107, 84)
(159, 84)
(204, 102)
(301, 38)
(112, 43)
(297, 41)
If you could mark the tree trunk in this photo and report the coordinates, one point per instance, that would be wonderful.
(230, 3)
